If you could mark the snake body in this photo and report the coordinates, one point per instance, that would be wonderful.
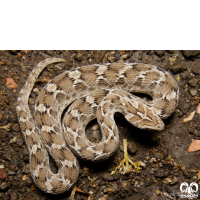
(92, 91)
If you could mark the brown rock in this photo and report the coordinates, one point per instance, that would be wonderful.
(196, 67)
(159, 52)
(193, 82)
(132, 148)
(154, 198)
(3, 174)
(170, 51)
(107, 177)
(98, 55)
(190, 53)
(5, 185)
(15, 127)
(162, 173)
(179, 68)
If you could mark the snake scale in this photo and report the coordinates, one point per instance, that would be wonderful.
(92, 91)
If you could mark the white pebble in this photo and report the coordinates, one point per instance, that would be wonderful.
(95, 127)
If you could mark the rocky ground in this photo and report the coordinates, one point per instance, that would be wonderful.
(164, 154)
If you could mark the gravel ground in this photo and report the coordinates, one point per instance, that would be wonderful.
(167, 162)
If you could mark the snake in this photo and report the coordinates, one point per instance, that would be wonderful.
(72, 99)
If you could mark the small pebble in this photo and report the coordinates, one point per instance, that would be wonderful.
(5, 185)
(184, 106)
(97, 135)
(13, 140)
(13, 196)
(36, 91)
(151, 172)
(174, 180)
(195, 68)
(148, 181)
(28, 182)
(170, 51)
(19, 176)
(26, 169)
(142, 183)
(159, 52)
(157, 155)
(187, 174)
(43, 54)
(123, 195)
(107, 177)
(116, 176)
(160, 164)
(111, 57)
(1, 194)
(1, 166)
(154, 198)
(193, 92)
(132, 148)
(195, 177)
(34, 197)
(25, 152)
(179, 68)
(115, 186)
(155, 169)
(190, 53)
(11, 173)
(185, 75)
(147, 157)
(196, 132)
(152, 160)
(193, 82)
(179, 143)
(15, 127)
(3, 174)
(103, 187)
(107, 190)
(135, 190)
(95, 127)
(98, 55)
(117, 55)
(147, 153)
(167, 173)
(161, 173)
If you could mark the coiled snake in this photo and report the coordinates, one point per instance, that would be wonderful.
(94, 91)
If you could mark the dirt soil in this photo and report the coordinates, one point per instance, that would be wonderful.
(167, 161)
